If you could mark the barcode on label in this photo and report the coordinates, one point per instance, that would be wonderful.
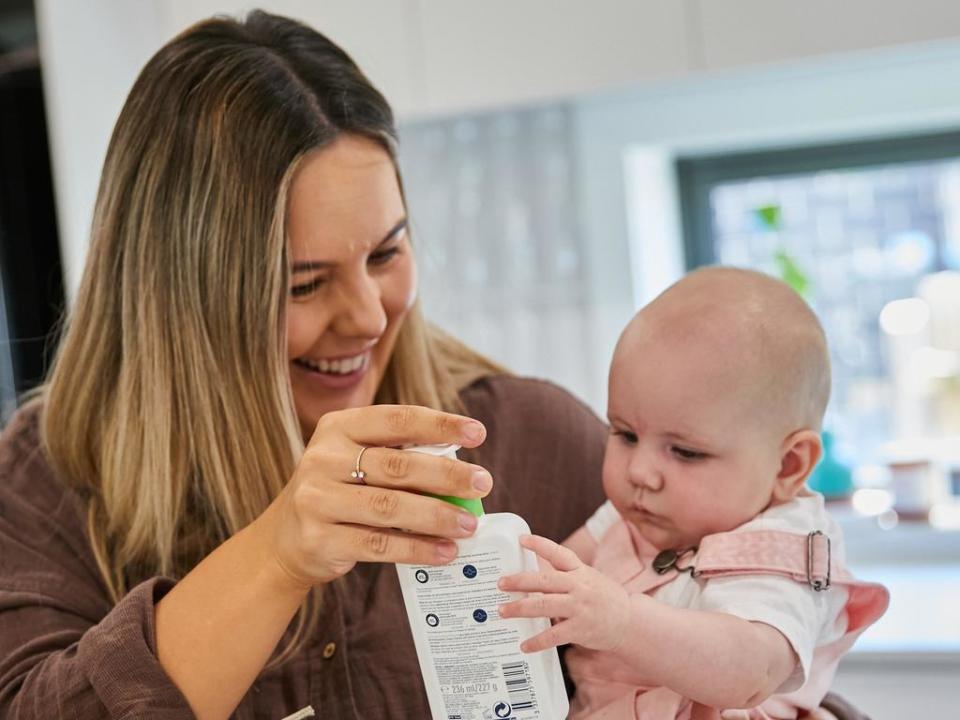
(518, 686)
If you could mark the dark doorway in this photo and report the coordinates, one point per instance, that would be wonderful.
(30, 270)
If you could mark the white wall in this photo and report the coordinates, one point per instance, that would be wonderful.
(91, 52)
(746, 32)
(383, 36)
(874, 93)
(443, 56)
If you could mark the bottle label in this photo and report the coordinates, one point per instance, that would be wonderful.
(474, 656)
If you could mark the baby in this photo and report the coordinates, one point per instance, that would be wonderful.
(712, 579)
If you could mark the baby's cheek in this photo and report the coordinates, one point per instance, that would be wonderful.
(618, 490)
(610, 474)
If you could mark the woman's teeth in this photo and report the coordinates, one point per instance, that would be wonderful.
(344, 366)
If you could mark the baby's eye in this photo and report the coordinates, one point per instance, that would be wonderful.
(686, 454)
(626, 436)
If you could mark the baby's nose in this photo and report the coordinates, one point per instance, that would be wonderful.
(645, 476)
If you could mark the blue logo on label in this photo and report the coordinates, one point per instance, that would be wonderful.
(469, 571)
(480, 616)
(501, 709)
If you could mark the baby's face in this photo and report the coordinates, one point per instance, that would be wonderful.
(689, 452)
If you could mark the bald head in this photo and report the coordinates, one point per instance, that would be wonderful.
(756, 329)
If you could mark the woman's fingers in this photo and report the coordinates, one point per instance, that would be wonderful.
(329, 522)
(365, 544)
(398, 425)
(387, 508)
(561, 558)
(406, 470)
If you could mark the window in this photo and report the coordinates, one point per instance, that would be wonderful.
(869, 232)
(856, 228)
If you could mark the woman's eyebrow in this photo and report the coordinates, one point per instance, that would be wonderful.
(308, 265)
(394, 231)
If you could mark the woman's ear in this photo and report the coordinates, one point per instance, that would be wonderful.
(799, 454)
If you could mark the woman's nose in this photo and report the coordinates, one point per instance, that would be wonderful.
(360, 312)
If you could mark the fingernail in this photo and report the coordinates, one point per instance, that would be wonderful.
(467, 521)
(482, 482)
(473, 432)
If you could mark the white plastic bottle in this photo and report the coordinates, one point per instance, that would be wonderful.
(470, 658)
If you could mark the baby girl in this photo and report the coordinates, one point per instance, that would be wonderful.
(712, 582)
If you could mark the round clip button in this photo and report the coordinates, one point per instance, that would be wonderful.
(665, 560)
(328, 650)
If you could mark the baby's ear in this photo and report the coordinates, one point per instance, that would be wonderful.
(799, 454)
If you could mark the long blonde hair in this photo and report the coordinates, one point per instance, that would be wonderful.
(169, 404)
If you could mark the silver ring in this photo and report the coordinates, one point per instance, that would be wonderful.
(359, 474)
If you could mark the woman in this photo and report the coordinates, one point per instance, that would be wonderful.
(246, 325)
(190, 524)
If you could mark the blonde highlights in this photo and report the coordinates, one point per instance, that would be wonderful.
(169, 404)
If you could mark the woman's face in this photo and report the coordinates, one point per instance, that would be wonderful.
(352, 279)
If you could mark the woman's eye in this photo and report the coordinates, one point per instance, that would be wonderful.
(686, 454)
(307, 288)
(383, 256)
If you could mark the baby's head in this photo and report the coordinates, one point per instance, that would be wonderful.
(717, 392)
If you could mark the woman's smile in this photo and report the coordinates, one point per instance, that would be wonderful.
(334, 373)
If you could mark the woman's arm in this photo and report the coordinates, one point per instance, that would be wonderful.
(218, 627)
(65, 649)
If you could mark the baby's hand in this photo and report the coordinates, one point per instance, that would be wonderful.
(592, 609)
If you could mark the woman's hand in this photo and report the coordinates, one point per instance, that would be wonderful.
(592, 609)
(325, 521)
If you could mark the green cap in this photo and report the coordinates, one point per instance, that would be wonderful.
(474, 505)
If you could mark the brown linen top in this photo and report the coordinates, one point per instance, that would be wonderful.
(67, 652)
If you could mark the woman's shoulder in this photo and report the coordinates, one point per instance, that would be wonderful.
(537, 420)
(525, 398)
(20, 439)
(29, 486)
(540, 439)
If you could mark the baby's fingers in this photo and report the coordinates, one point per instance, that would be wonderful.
(545, 581)
(556, 635)
(549, 606)
(558, 556)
